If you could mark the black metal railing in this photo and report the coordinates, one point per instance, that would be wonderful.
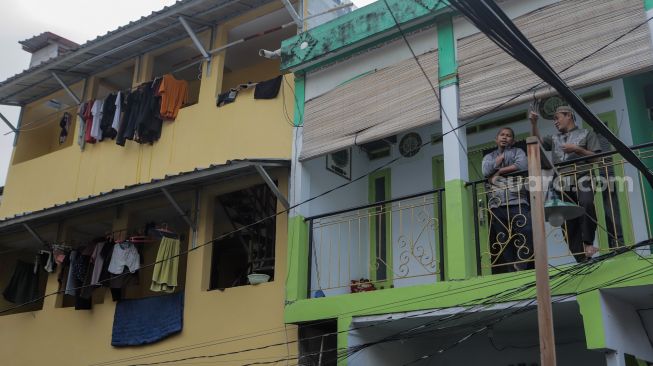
(622, 201)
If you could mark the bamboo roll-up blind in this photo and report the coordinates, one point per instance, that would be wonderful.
(563, 33)
(374, 106)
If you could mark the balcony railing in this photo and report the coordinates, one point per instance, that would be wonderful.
(622, 206)
(393, 243)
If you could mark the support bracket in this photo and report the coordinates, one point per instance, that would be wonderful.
(33, 233)
(293, 13)
(197, 21)
(66, 88)
(273, 187)
(178, 208)
(197, 43)
(194, 38)
(6, 121)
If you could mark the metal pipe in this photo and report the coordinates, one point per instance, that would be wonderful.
(178, 208)
(137, 40)
(6, 121)
(194, 38)
(273, 187)
(329, 11)
(66, 88)
(293, 13)
(33, 233)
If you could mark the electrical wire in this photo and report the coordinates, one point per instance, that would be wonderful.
(449, 318)
(327, 192)
(494, 296)
(587, 56)
(384, 307)
(496, 321)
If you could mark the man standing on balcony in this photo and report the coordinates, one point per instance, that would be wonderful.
(571, 143)
(511, 239)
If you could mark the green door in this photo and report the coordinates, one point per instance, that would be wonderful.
(380, 223)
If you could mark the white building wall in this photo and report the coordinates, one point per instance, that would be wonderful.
(44, 54)
(412, 175)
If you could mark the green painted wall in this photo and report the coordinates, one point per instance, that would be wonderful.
(648, 4)
(641, 125)
(375, 231)
(300, 99)
(447, 65)
(350, 29)
(459, 244)
(344, 323)
(454, 293)
(298, 257)
(590, 309)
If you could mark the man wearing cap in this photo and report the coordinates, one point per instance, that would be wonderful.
(571, 143)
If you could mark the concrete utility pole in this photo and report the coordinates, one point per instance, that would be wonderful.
(544, 309)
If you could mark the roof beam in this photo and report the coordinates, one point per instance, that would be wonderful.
(6, 121)
(293, 13)
(66, 88)
(273, 187)
(178, 208)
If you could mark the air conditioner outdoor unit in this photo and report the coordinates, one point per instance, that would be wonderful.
(339, 162)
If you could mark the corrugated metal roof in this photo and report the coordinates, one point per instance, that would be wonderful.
(37, 42)
(182, 181)
(151, 32)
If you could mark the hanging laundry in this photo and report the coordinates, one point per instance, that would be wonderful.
(124, 262)
(124, 255)
(81, 281)
(268, 89)
(164, 276)
(64, 123)
(81, 141)
(115, 124)
(174, 93)
(97, 259)
(23, 285)
(70, 284)
(88, 116)
(143, 122)
(50, 265)
(127, 127)
(148, 320)
(108, 114)
(227, 97)
(96, 110)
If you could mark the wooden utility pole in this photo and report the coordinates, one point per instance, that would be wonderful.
(544, 309)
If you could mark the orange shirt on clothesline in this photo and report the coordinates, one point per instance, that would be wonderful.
(174, 93)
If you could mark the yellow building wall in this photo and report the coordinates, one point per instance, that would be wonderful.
(215, 322)
(44, 173)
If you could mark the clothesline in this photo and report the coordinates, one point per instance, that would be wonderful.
(76, 105)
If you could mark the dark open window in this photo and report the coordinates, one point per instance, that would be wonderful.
(250, 250)
(318, 343)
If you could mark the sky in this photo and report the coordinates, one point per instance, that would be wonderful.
(72, 19)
